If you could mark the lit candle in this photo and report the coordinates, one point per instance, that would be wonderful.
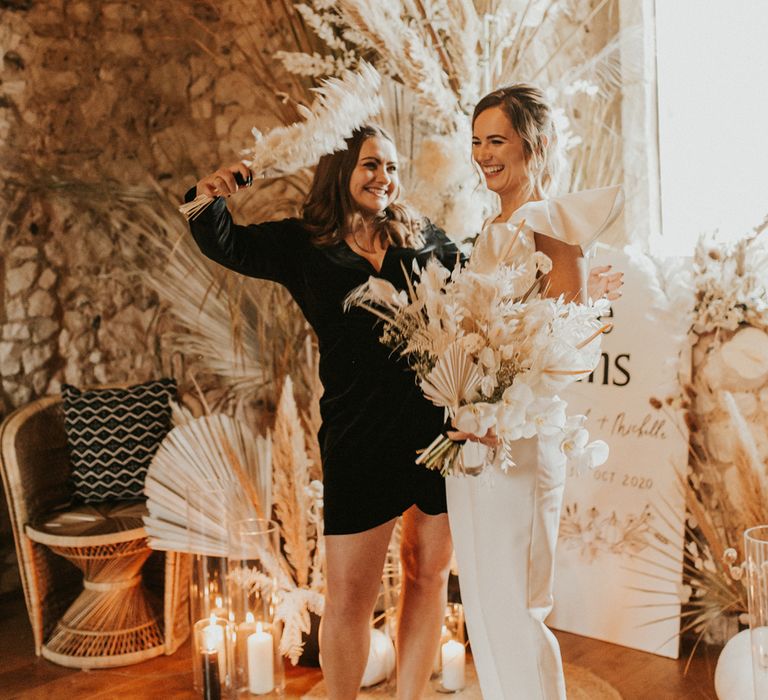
(213, 640)
(261, 672)
(211, 678)
(443, 636)
(218, 609)
(454, 660)
(246, 628)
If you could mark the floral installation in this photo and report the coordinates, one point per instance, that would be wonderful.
(731, 283)
(719, 300)
(491, 352)
(593, 533)
(437, 57)
(274, 479)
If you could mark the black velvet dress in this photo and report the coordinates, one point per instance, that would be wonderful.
(374, 417)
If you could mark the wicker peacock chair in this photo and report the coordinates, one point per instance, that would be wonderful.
(96, 595)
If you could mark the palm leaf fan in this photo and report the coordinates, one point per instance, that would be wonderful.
(205, 457)
(453, 379)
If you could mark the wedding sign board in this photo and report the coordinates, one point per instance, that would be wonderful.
(619, 555)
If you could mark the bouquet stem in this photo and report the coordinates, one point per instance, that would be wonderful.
(442, 454)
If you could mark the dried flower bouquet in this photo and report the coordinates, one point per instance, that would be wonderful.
(492, 352)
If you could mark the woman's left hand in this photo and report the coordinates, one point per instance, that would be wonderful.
(602, 283)
(490, 439)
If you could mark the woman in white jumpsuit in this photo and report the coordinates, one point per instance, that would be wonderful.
(504, 525)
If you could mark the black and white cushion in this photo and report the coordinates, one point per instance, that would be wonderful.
(112, 435)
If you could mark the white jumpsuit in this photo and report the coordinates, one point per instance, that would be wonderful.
(505, 525)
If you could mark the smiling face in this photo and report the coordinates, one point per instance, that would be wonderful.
(498, 149)
(374, 181)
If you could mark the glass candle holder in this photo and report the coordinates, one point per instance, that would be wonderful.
(253, 575)
(756, 555)
(452, 653)
(207, 509)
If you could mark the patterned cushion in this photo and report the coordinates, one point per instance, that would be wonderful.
(112, 435)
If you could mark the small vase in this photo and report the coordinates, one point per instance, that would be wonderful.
(253, 572)
(733, 673)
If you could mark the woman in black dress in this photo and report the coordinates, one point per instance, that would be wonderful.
(374, 415)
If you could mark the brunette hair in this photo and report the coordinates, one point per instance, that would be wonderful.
(329, 212)
(530, 116)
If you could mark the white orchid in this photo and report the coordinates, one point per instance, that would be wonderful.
(580, 453)
(512, 416)
(548, 415)
(475, 418)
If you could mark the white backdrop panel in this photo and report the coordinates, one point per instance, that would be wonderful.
(619, 558)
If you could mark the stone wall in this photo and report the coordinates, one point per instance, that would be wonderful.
(125, 93)
(119, 92)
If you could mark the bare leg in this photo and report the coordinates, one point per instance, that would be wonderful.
(354, 566)
(426, 557)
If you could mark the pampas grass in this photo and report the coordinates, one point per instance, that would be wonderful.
(341, 105)
(292, 495)
(713, 559)
(443, 56)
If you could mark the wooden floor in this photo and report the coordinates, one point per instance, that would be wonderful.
(637, 675)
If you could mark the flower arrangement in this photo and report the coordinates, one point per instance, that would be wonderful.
(492, 352)
(273, 474)
(720, 301)
(437, 58)
(720, 505)
(730, 283)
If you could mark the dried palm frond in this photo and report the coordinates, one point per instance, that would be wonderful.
(453, 379)
(291, 483)
(246, 332)
(211, 449)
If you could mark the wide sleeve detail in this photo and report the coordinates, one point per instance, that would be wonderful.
(268, 250)
(577, 218)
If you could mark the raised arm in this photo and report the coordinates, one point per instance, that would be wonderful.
(267, 250)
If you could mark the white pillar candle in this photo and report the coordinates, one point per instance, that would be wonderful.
(443, 637)
(453, 658)
(261, 672)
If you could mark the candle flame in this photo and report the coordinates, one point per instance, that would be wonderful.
(219, 601)
(259, 627)
(249, 617)
(212, 619)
